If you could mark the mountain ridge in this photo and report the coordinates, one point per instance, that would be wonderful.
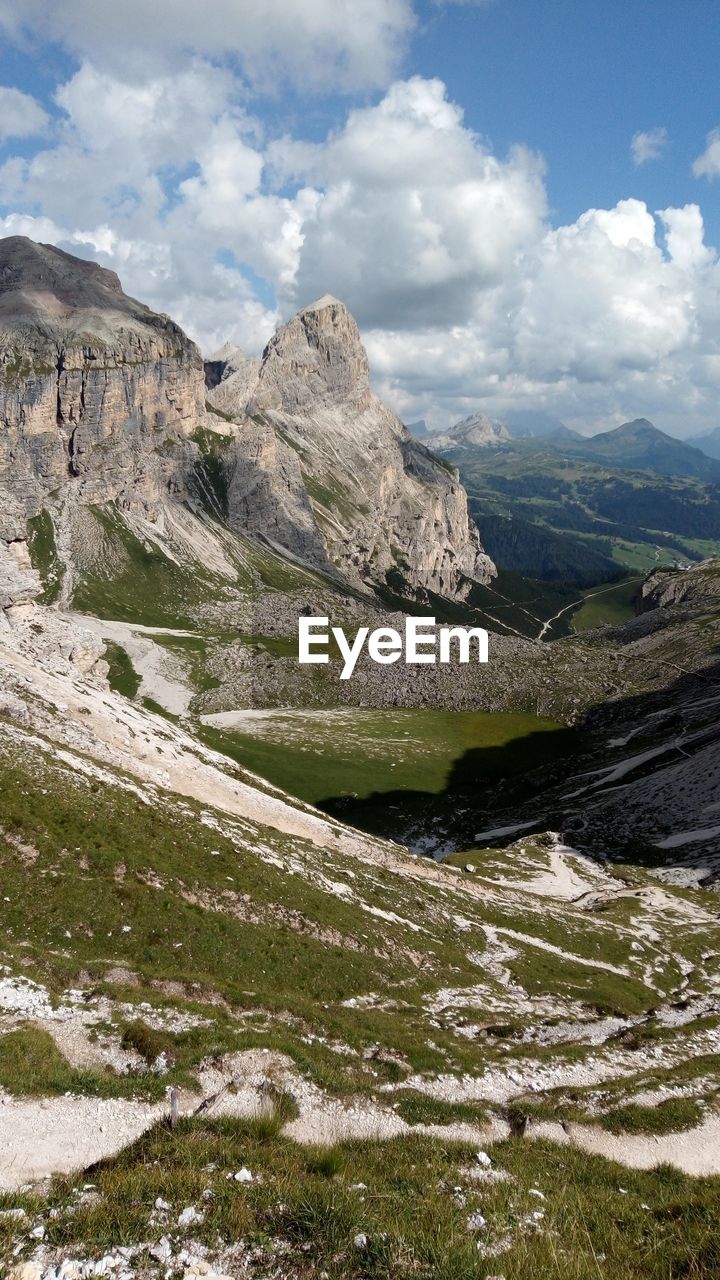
(104, 402)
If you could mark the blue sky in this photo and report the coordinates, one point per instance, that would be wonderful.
(462, 174)
(575, 79)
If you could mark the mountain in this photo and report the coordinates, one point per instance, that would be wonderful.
(477, 430)
(639, 445)
(524, 423)
(104, 408)
(173, 921)
(708, 444)
(577, 510)
(563, 435)
(229, 374)
(320, 466)
(253, 1030)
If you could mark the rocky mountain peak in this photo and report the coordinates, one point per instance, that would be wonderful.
(316, 359)
(51, 300)
(476, 430)
(39, 282)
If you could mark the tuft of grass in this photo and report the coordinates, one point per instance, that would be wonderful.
(280, 1108)
(418, 1108)
(147, 1041)
(672, 1116)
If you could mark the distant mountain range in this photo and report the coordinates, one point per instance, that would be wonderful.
(640, 446)
(566, 508)
(636, 445)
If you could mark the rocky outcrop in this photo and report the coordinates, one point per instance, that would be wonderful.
(699, 585)
(338, 480)
(98, 394)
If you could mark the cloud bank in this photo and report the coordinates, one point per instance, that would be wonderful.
(158, 163)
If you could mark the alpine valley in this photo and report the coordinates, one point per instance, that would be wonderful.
(409, 975)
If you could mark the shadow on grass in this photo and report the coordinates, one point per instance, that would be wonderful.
(473, 788)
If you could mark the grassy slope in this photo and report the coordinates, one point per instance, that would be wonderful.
(136, 582)
(208, 909)
(609, 608)
(148, 886)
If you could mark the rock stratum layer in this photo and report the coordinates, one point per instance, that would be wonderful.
(103, 401)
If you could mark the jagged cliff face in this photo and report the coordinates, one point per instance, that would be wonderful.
(100, 399)
(97, 393)
(336, 477)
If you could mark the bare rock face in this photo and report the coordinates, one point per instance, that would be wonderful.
(315, 360)
(694, 584)
(354, 490)
(19, 584)
(100, 399)
(229, 378)
(98, 394)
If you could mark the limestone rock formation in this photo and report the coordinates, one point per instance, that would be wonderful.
(96, 390)
(102, 401)
(338, 479)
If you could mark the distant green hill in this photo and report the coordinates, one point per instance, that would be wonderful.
(547, 512)
(641, 446)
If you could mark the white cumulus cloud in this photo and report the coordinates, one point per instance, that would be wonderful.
(415, 215)
(649, 145)
(343, 44)
(467, 296)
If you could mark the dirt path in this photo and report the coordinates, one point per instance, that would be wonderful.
(40, 1137)
(581, 600)
(696, 1151)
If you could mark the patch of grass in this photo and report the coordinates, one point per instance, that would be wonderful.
(608, 606)
(122, 675)
(395, 1210)
(360, 752)
(147, 1041)
(671, 1116)
(44, 556)
(137, 583)
(157, 709)
(419, 1108)
(280, 1108)
(31, 1064)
